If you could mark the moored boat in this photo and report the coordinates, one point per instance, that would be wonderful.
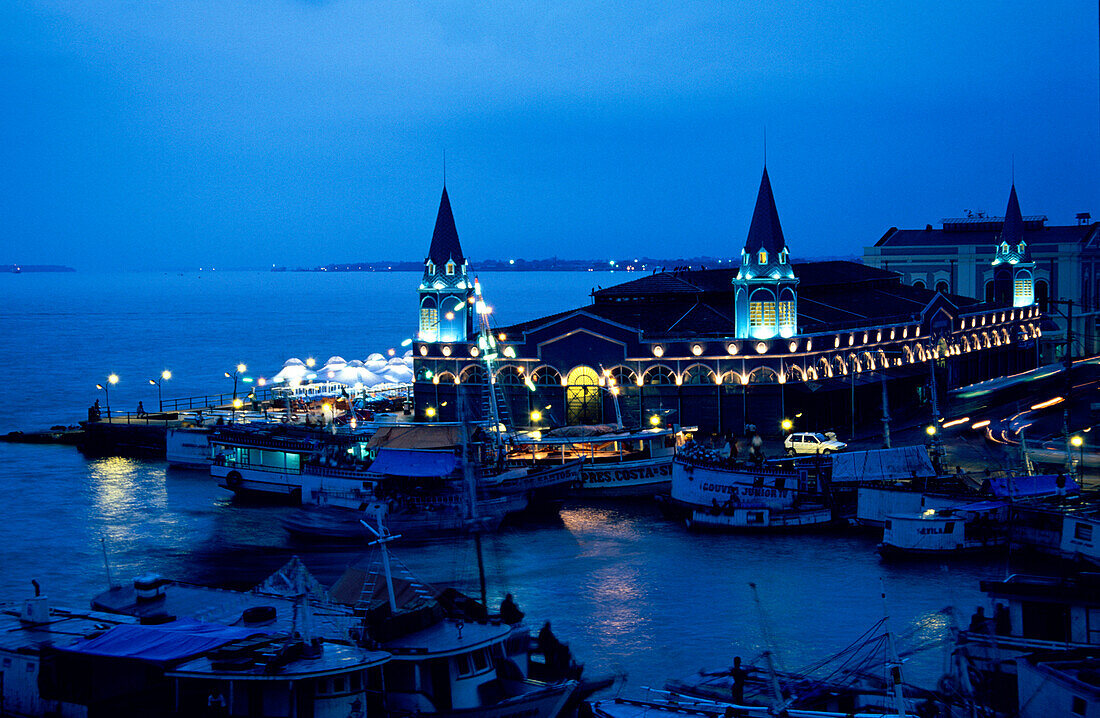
(742, 496)
(616, 461)
(966, 528)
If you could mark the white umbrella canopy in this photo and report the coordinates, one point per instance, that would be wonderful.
(376, 357)
(375, 363)
(294, 369)
(331, 369)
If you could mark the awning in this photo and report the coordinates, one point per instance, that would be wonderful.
(163, 643)
(412, 462)
(1042, 485)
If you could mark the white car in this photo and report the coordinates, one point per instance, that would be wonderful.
(812, 444)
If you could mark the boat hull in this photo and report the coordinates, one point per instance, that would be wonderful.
(647, 477)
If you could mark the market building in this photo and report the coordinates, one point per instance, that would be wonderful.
(821, 343)
(968, 256)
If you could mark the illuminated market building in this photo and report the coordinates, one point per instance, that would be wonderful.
(720, 348)
(973, 256)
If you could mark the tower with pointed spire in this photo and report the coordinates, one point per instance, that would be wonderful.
(765, 288)
(1013, 270)
(446, 293)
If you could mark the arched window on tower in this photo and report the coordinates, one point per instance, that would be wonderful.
(429, 319)
(450, 268)
(762, 314)
(431, 267)
(786, 315)
(919, 284)
(1023, 290)
(763, 256)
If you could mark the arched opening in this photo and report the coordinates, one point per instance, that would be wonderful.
(697, 374)
(1023, 289)
(1042, 294)
(989, 288)
(474, 374)
(941, 286)
(919, 284)
(546, 376)
(582, 396)
(659, 374)
(762, 314)
(786, 313)
(624, 376)
(444, 377)
(510, 376)
(429, 319)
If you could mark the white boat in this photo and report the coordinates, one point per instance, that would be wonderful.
(616, 461)
(289, 464)
(742, 496)
(189, 447)
(963, 528)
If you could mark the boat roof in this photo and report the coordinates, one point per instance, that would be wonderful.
(335, 658)
(1083, 588)
(215, 605)
(950, 513)
(535, 437)
(447, 638)
(65, 626)
(163, 642)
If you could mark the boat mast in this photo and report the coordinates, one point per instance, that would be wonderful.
(769, 655)
(383, 537)
(895, 661)
(471, 488)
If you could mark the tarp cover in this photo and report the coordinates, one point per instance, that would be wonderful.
(416, 437)
(1042, 485)
(167, 642)
(903, 462)
(410, 462)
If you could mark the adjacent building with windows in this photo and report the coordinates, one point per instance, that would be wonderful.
(982, 256)
(722, 348)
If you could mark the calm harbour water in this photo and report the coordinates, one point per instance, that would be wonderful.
(630, 591)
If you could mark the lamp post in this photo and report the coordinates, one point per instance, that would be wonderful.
(536, 417)
(237, 404)
(1079, 441)
(241, 369)
(164, 376)
(106, 388)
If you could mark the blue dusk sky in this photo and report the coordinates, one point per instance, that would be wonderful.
(157, 134)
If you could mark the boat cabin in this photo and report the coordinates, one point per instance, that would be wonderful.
(969, 527)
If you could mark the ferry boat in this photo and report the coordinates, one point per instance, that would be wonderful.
(615, 461)
(966, 528)
(1065, 528)
(189, 447)
(717, 494)
(288, 463)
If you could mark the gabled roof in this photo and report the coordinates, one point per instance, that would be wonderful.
(765, 232)
(445, 244)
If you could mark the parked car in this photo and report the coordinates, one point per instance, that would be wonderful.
(807, 443)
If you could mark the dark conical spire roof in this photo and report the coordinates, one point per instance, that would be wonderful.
(765, 232)
(1013, 230)
(445, 244)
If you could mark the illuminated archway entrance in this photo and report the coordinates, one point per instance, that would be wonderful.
(582, 397)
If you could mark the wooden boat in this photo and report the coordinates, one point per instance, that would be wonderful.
(725, 495)
(966, 528)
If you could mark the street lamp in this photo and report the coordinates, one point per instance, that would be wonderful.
(106, 389)
(237, 404)
(241, 369)
(430, 413)
(787, 425)
(536, 416)
(1079, 441)
(930, 430)
(164, 376)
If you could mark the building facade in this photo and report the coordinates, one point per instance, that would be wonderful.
(816, 342)
(977, 256)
